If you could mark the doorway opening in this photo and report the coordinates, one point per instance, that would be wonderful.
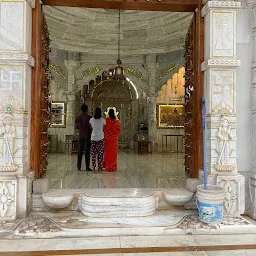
(82, 54)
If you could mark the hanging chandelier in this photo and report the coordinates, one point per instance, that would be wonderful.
(118, 70)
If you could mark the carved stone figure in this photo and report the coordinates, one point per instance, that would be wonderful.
(224, 136)
(8, 134)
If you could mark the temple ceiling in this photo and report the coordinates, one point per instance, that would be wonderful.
(95, 31)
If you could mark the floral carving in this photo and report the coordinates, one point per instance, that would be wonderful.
(231, 195)
(7, 198)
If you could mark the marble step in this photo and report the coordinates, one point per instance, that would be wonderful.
(113, 202)
(118, 203)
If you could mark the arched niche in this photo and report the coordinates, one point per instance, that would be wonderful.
(121, 94)
(173, 90)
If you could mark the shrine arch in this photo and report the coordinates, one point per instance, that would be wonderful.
(123, 95)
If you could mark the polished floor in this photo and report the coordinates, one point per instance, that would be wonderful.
(179, 245)
(134, 171)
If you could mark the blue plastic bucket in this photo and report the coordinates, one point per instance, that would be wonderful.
(210, 203)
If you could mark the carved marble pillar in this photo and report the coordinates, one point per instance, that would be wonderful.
(220, 94)
(72, 63)
(252, 187)
(16, 63)
(151, 66)
(134, 122)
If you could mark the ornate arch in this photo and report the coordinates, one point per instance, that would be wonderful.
(113, 89)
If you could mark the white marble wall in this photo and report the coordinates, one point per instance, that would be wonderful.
(251, 5)
(221, 83)
(16, 63)
(244, 88)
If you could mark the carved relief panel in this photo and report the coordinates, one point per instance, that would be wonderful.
(224, 147)
(12, 26)
(222, 90)
(8, 199)
(12, 82)
(234, 193)
(223, 34)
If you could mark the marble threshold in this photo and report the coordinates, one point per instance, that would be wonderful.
(114, 201)
(72, 224)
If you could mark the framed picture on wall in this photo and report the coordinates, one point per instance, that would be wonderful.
(58, 114)
(170, 116)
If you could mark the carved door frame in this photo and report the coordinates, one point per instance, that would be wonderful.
(194, 56)
(168, 5)
(40, 109)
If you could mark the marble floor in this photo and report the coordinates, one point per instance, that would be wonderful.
(101, 243)
(134, 171)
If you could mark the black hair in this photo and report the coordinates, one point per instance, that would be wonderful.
(111, 114)
(97, 113)
(84, 108)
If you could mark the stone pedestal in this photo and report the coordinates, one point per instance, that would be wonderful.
(220, 95)
(16, 63)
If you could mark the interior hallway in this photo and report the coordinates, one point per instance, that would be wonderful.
(134, 171)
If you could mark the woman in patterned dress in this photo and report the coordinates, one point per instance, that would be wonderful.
(97, 139)
(111, 132)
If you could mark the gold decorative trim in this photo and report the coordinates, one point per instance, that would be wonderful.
(169, 125)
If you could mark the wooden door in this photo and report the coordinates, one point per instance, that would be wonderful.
(40, 108)
(193, 97)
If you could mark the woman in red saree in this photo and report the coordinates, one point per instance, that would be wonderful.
(111, 132)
